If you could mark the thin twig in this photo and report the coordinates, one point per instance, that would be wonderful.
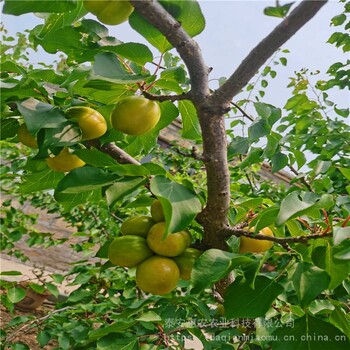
(161, 98)
(36, 321)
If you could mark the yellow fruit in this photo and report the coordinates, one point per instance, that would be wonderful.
(64, 161)
(135, 115)
(91, 122)
(185, 262)
(128, 251)
(25, 137)
(157, 212)
(138, 226)
(157, 275)
(173, 245)
(110, 11)
(251, 245)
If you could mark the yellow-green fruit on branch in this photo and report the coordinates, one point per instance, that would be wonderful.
(25, 137)
(110, 12)
(157, 212)
(251, 245)
(138, 226)
(157, 275)
(64, 161)
(91, 122)
(128, 251)
(185, 262)
(173, 245)
(135, 115)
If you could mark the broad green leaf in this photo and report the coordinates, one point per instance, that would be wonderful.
(38, 115)
(263, 110)
(278, 161)
(309, 281)
(186, 12)
(179, 203)
(43, 338)
(339, 19)
(9, 128)
(107, 67)
(71, 200)
(254, 156)
(309, 333)
(117, 342)
(19, 7)
(66, 39)
(259, 128)
(325, 258)
(278, 11)
(294, 228)
(242, 301)
(149, 316)
(95, 158)
(19, 346)
(118, 327)
(345, 172)
(191, 129)
(122, 188)
(44, 180)
(340, 234)
(338, 318)
(135, 52)
(247, 202)
(213, 265)
(85, 179)
(296, 204)
(57, 21)
(265, 218)
(239, 145)
(14, 295)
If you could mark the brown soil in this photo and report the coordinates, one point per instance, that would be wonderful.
(26, 332)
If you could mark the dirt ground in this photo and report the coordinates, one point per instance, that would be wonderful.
(26, 332)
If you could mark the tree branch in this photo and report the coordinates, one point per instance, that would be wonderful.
(187, 48)
(161, 98)
(258, 56)
(118, 154)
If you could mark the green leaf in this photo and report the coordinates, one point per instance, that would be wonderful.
(239, 145)
(107, 67)
(340, 234)
(44, 180)
(258, 129)
(118, 327)
(191, 129)
(43, 338)
(186, 12)
(179, 203)
(85, 179)
(254, 156)
(71, 200)
(278, 161)
(278, 11)
(345, 172)
(9, 128)
(242, 301)
(10, 273)
(38, 115)
(339, 19)
(19, 7)
(296, 204)
(19, 346)
(149, 316)
(52, 289)
(14, 295)
(115, 342)
(122, 188)
(213, 265)
(309, 333)
(339, 319)
(135, 52)
(263, 110)
(265, 218)
(309, 281)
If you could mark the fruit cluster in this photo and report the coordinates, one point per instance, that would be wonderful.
(133, 115)
(160, 261)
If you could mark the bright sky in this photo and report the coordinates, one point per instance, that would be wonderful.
(233, 28)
